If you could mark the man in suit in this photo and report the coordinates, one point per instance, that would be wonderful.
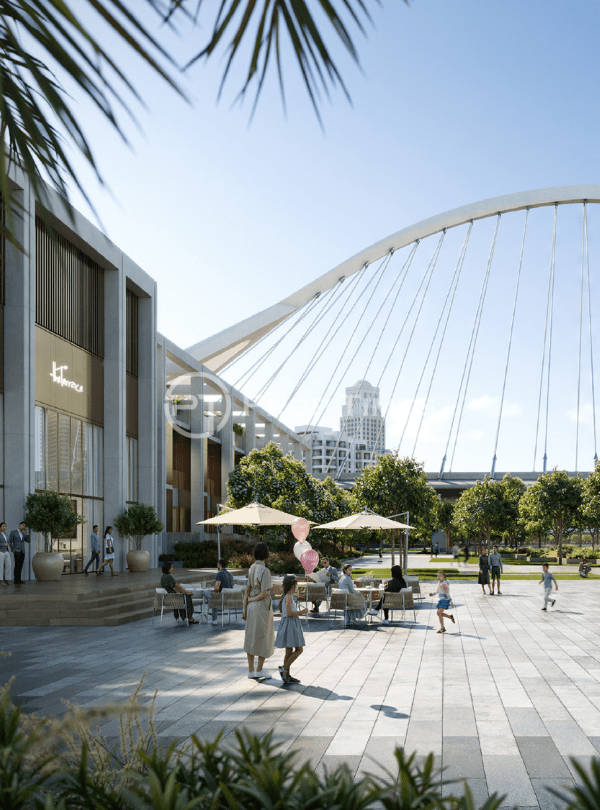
(95, 541)
(18, 538)
(5, 564)
(332, 579)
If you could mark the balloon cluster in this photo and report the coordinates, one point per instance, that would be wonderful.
(303, 549)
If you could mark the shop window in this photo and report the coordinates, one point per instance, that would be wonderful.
(132, 469)
(40, 450)
(52, 451)
(76, 457)
(131, 365)
(64, 453)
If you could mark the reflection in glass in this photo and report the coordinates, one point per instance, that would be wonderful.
(52, 451)
(40, 451)
(64, 453)
(76, 460)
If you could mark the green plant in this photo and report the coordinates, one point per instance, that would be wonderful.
(136, 522)
(238, 429)
(52, 515)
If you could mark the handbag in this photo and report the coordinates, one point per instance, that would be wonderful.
(109, 549)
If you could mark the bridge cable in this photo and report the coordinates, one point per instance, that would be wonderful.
(581, 295)
(457, 274)
(380, 271)
(587, 254)
(553, 265)
(510, 337)
(323, 346)
(401, 277)
(329, 294)
(475, 336)
(261, 360)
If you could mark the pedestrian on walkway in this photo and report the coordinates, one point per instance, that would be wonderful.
(259, 638)
(289, 634)
(18, 538)
(484, 572)
(5, 561)
(495, 564)
(109, 552)
(444, 600)
(95, 541)
(467, 553)
(547, 579)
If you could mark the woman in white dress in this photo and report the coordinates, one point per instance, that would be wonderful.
(346, 584)
(259, 638)
(109, 552)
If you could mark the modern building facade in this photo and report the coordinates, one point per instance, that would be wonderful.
(85, 408)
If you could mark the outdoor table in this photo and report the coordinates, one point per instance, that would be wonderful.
(370, 591)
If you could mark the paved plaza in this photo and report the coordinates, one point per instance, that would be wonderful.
(503, 699)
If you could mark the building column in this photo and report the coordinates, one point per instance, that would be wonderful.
(250, 430)
(147, 415)
(268, 431)
(284, 441)
(19, 369)
(161, 440)
(115, 450)
(197, 452)
(227, 451)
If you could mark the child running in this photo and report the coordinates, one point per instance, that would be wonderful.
(289, 633)
(444, 600)
(548, 579)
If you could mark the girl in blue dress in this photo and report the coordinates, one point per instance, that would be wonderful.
(289, 634)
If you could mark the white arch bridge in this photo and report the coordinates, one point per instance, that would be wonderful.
(477, 326)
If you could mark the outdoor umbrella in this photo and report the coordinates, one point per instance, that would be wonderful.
(253, 514)
(369, 520)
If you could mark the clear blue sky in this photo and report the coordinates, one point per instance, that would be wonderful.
(457, 102)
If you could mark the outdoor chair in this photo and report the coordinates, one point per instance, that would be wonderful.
(392, 602)
(338, 601)
(415, 585)
(316, 593)
(409, 601)
(169, 601)
(226, 600)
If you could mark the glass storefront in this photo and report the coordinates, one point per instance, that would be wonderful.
(69, 459)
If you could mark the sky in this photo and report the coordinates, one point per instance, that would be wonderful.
(454, 102)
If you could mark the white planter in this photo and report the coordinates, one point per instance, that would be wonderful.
(138, 560)
(48, 565)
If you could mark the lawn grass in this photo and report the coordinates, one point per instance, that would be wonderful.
(505, 561)
(429, 574)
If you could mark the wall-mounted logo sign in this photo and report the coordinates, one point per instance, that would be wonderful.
(57, 377)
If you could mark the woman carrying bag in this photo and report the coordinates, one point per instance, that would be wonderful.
(109, 552)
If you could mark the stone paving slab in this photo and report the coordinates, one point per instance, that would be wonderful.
(504, 699)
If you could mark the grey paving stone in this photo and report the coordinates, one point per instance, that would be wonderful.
(542, 759)
(461, 758)
(547, 800)
(507, 775)
(478, 788)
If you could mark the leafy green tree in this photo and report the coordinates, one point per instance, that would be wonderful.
(444, 512)
(485, 509)
(43, 42)
(52, 515)
(283, 483)
(136, 522)
(395, 485)
(590, 508)
(514, 489)
(555, 501)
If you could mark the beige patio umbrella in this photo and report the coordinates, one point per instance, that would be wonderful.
(370, 520)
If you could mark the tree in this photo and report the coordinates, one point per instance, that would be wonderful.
(396, 485)
(590, 508)
(42, 40)
(486, 508)
(138, 521)
(283, 483)
(555, 501)
(444, 512)
(52, 515)
(514, 489)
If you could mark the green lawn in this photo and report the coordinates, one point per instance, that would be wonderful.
(470, 576)
(506, 561)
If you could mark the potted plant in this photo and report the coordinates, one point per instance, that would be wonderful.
(51, 515)
(135, 523)
(238, 429)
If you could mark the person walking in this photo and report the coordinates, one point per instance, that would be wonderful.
(289, 633)
(444, 600)
(95, 541)
(484, 572)
(259, 637)
(109, 552)
(5, 563)
(18, 538)
(495, 564)
(466, 554)
(548, 579)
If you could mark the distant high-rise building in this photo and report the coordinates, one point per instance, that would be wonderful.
(361, 416)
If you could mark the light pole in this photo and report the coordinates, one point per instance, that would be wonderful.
(406, 531)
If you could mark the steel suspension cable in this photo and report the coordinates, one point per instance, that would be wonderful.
(550, 276)
(425, 280)
(431, 345)
(581, 294)
(461, 260)
(380, 272)
(315, 321)
(475, 336)
(587, 255)
(510, 337)
(247, 376)
(323, 345)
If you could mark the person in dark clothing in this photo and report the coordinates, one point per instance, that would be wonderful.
(484, 572)
(167, 581)
(466, 554)
(395, 585)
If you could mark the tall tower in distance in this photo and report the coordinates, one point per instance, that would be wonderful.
(361, 416)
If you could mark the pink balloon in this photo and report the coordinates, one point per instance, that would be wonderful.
(300, 529)
(309, 560)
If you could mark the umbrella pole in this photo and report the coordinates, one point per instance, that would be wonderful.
(218, 535)
(406, 531)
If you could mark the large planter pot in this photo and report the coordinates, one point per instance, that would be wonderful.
(138, 560)
(48, 565)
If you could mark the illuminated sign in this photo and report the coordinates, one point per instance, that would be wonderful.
(57, 377)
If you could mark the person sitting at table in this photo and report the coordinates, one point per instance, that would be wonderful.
(346, 584)
(394, 585)
(332, 578)
(584, 569)
(223, 581)
(167, 581)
